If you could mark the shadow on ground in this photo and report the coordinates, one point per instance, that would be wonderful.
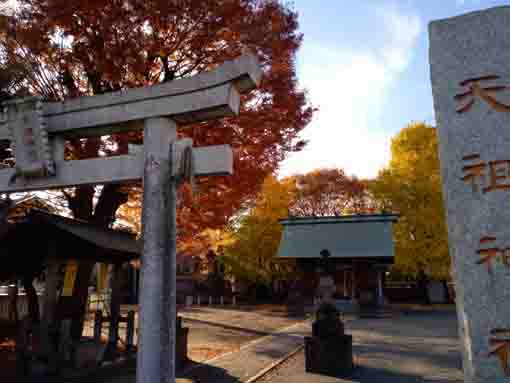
(203, 373)
(276, 333)
(126, 373)
(363, 374)
(229, 327)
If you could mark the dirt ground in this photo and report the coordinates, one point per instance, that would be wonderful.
(7, 354)
(218, 329)
(214, 330)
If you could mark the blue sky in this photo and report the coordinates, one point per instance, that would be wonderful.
(365, 65)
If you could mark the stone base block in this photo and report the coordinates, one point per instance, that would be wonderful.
(329, 356)
(296, 310)
(181, 347)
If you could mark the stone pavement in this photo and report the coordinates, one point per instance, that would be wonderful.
(417, 347)
(410, 347)
(241, 365)
(252, 358)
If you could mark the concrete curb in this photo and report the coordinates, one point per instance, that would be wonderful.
(275, 364)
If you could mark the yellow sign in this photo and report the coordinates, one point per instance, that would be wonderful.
(69, 278)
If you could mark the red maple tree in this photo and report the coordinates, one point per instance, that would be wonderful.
(330, 192)
(67, 48)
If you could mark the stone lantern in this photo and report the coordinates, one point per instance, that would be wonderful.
(329, 350)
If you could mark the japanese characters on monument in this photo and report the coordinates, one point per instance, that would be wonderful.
(470, 73)
(29, 137)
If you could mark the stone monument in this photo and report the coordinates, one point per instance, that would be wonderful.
(326, 287)
(470, 72)
(328, 351)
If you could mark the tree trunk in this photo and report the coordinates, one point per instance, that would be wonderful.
(79, 298)
(103, 214)
(115, 302)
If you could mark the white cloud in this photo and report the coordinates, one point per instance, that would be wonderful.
(350, 88)
(402, 32)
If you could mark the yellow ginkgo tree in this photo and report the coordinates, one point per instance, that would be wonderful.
(411, 186)
(255, 236)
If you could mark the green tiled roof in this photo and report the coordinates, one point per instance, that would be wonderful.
(354, 236)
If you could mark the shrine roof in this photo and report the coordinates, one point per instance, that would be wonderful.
(314, 220)
(350, 236)
(100, 236)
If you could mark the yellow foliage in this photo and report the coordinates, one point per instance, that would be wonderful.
(411, 186)
(255, 238)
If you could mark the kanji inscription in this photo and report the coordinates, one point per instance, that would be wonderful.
(490, 176)
(490, 253)
(500, 347)
(29, 137)
(485, 93)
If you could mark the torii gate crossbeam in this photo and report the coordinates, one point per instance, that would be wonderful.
(37, 131)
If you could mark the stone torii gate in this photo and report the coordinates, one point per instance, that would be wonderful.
(37, 131)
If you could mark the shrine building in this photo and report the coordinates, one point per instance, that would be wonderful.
(361, 251)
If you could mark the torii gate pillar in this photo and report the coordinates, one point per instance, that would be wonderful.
(157, 312)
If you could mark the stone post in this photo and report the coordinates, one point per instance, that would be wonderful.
(65, 347)
(470, 76)
(345, 283)
(155, 359)
(113, 330)
(98, 326)
(380, 294)
(12, 291)
(48, 328)
(130, 330)
(354, 292)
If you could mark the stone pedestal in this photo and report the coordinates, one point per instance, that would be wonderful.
(329, 356)
(328, 351)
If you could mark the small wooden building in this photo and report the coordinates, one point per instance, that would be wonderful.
(360, 247)
(27, 245)
(36, 241)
